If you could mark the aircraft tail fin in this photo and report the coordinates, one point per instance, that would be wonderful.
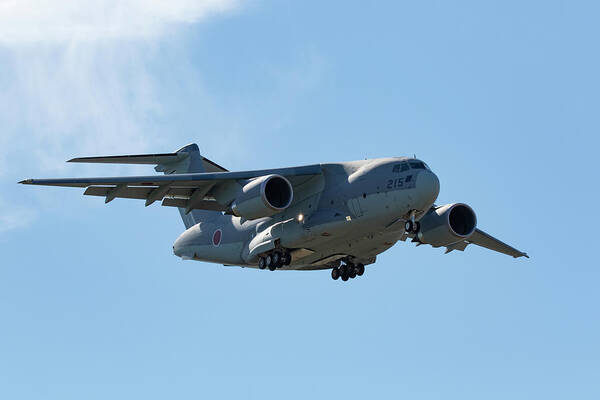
(185, 160)
(165, 162)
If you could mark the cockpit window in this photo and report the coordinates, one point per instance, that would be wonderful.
(400, 167)
(417, 165)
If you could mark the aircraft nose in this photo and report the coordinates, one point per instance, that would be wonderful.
(177, 247)
(428, 186)
(184, 245)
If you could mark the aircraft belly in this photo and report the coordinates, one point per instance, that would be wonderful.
(225, 253)
(363, 246)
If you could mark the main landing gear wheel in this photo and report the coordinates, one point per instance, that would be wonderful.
(360, 269)
(274, 259)
(335, 274)
(347, 271)
(287, 258)
(269, 262)
(352, 272)
(277, 261)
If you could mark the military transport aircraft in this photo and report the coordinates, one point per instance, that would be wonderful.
(336, 216)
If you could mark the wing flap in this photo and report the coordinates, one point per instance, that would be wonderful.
(460, 246)
(125, 193)
(209, 205)
(135, 192)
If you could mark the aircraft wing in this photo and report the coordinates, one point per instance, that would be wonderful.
(480, 238)
(207, 191)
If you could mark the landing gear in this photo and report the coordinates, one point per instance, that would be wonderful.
(287, 258)
(269, 262)
(412, 227)
(360, 269)
(352, 272)
(347, 271)
(275, 259)
(335, 273)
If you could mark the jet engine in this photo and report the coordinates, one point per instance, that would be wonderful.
(447, 224)
(263, 197)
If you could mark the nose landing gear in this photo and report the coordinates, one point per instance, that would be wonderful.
(347, 271)
(412, 226)
(274, 260)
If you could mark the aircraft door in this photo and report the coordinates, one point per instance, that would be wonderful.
(355, 208)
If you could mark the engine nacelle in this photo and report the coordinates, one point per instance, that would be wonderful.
(447, 224)
(263, 197)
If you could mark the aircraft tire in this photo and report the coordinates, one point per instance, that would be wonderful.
(287, 259)
(408, 226)
(269, 262)
(360, 269)
(277, 261)
(417, 227)
(352, 273)
(335, 274)
(345, 277)
(261, 263)
(344, 270)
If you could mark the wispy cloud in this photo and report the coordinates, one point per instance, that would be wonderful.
(87, 77)
(60, 100)
(25, 21)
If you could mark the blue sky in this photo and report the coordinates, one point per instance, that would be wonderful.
(501, 99)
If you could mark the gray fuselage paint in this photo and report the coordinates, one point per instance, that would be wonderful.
(349, 209)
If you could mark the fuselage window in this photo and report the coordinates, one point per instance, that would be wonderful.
(417, 165)
(400, 168)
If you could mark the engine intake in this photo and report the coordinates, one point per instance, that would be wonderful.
(447, 224)
(263, 197)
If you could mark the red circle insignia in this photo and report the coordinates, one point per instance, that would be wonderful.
(217, 237)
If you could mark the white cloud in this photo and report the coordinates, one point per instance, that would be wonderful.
(85, 78)
(26, 21)
(78, 74)
(75, 99)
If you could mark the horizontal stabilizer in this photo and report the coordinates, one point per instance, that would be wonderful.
(153, 159)
(150, 159)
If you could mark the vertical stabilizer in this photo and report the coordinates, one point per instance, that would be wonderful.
(191, 162)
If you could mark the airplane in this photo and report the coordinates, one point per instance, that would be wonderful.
(336, 216)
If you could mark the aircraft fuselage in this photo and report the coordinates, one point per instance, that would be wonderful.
(353, 210)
